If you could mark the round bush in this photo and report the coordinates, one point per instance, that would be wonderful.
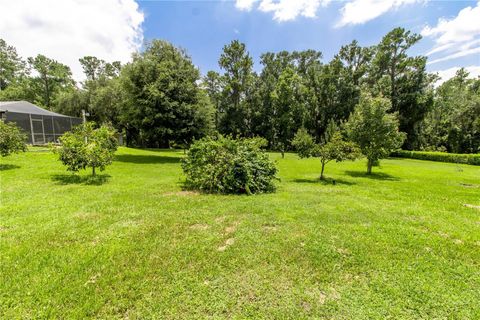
(226, 165)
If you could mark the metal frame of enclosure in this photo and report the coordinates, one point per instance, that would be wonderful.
(42, 126)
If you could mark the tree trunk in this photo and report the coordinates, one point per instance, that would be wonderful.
(93, 171)
(321, 173)
(369, 166)
(283, 154)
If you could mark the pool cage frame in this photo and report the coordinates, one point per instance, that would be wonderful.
(40, 125)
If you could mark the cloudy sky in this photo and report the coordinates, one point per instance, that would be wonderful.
(113, 29)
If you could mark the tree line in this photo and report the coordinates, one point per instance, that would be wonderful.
(160, 99)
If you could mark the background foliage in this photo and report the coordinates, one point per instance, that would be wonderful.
(161, 99)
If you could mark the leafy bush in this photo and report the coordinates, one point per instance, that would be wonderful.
(86, 146)
(226, 165)
(12, 139)
(473, 159)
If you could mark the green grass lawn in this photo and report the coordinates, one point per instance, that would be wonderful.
(399, 244)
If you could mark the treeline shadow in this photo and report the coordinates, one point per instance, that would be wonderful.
(66, 179)
(374, 175)
(145, 159)
(326, 181)
(7, 166)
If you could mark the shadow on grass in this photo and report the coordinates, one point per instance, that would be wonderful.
(326, 181)
(145, 159)
(65, 179)
(374, 175)
(8, 166)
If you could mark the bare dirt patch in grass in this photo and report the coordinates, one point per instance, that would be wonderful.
(231, 228)
(228, 243)
(199, 226)
(343, 251)
(269, 227)
(471, 206)
(220, 219)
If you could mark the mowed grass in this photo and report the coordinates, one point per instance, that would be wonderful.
(399, 244)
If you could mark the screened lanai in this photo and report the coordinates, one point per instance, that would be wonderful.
(42, 126)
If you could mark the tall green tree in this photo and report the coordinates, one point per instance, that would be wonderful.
(213, 84)
(163, 100)
(356, 60)
(273, 66)
(331, 97)
(454, 122)
(101, 93)
(404, 80)
(12, 66)
(374, 130)
(288, 109)
(52, 78)
(238, 77)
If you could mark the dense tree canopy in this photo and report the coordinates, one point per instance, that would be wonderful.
(160, 99)
(454, 122)
(164, 103)
(52, 77)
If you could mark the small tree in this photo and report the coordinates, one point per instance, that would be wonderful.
(336, 149)
(12, 139)
(86, 146)
(374, 130)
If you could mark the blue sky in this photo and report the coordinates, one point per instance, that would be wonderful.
(204, 27)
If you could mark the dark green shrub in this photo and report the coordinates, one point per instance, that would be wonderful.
(473, 159)
(226, 165)
(12, 139)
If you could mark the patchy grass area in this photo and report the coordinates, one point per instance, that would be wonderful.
(403, 243)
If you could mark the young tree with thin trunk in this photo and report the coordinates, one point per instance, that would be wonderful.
(335, 149)
(374, 130)
(87, 147)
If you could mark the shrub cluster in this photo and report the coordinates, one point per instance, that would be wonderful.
(12, 139)
(473, 159)
(226, 165)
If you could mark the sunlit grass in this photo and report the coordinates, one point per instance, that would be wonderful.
(131, 244)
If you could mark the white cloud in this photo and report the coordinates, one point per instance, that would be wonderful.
(450, 73)
(362, 11)
(67, 30)
(245, 4)
(457, 37)
(457, 54)
(285, 10)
